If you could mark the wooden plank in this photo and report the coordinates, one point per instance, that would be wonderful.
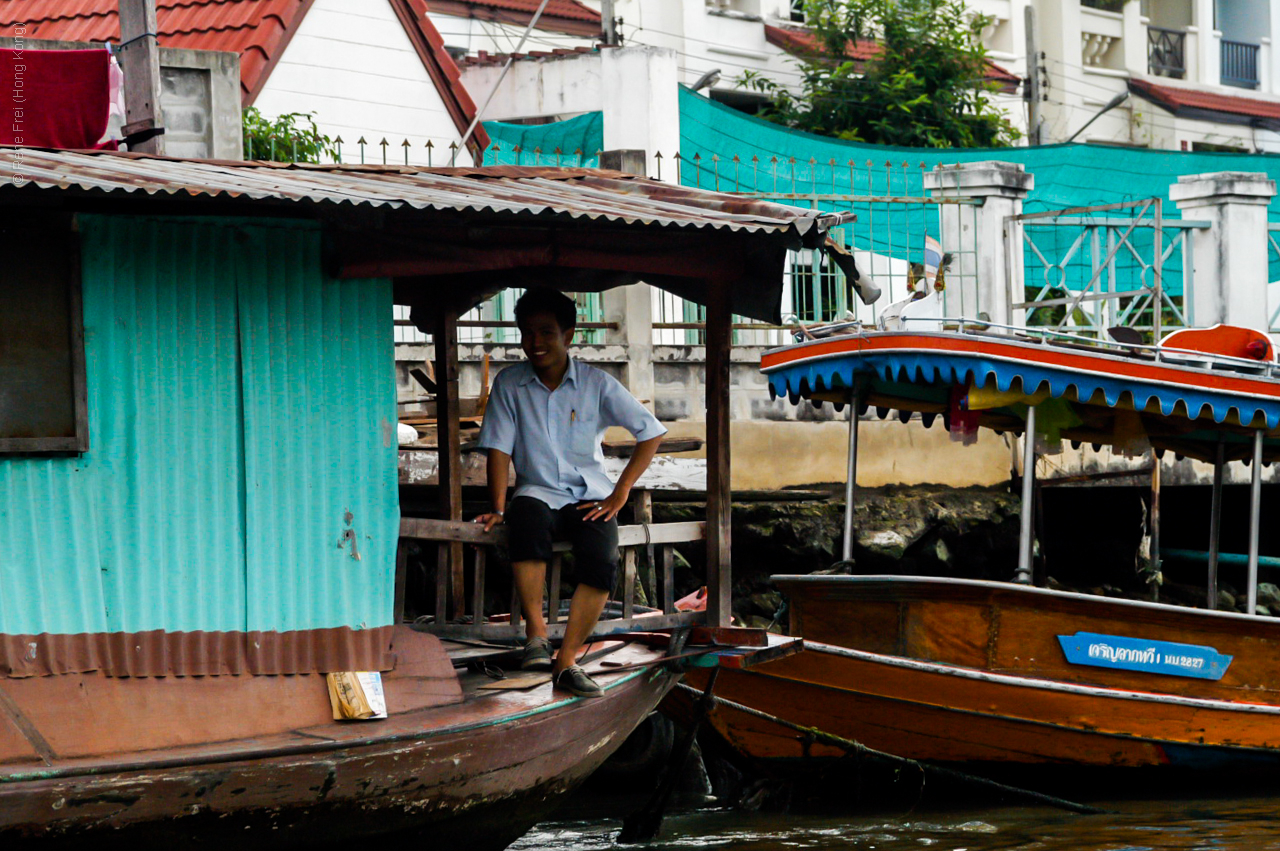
(429, 529)
(668, 579)
(445, 337)
(516, 681)
(442, 584)
(514, 631)
(628, 583)
(515, 607)
(140, 62)
(719, 506)
(627, 448)
(662, 533)
(477, 588)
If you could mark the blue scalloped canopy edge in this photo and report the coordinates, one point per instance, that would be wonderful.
(802, 380)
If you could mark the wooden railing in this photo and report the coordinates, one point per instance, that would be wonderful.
(456, 616)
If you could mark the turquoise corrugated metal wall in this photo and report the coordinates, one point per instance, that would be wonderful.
(164, 421)
(50, 580)
(319, 392)
(154, 528)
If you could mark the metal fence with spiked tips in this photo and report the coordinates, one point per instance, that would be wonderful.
(430, 153)
(893, 217)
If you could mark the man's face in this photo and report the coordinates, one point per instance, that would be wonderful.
(545, 343)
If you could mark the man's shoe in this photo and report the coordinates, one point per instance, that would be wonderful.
(576, 680)
(537, 655)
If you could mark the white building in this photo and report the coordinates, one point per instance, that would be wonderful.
(1201, 74)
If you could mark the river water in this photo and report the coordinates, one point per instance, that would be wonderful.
(1239, 823)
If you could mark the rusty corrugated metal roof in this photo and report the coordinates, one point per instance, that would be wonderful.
(515, 190)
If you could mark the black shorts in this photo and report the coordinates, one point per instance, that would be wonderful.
(533, 525)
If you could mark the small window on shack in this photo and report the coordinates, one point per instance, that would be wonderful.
(43, 404)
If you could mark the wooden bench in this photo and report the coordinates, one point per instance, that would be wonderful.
(450, 587)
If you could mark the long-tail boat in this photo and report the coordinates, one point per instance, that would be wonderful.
(199, 490)
(1003, 672)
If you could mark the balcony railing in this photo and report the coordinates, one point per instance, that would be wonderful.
(1167, 52)
(1239, 64)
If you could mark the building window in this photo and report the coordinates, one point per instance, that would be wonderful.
(1166, 52)
(797, 11)
(43, 402)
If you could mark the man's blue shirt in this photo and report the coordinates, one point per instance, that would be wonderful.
(553, 436)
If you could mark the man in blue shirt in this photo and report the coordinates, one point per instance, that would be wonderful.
(547, 417)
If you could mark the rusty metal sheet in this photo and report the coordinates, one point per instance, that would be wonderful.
(520, 191)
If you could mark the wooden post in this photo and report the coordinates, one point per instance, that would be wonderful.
(445, 337)
(402, 577)
(642, 515)
(719, 573)
(140, 63)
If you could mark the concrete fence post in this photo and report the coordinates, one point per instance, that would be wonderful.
(631, 307)
(1229, 278)
(986, 267)
(641, 107)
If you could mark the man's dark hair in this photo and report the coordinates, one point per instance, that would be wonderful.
(547, 300)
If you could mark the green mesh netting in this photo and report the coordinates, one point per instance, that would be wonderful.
(1066, 176)
(577, 140)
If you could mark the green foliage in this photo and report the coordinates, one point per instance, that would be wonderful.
(292, 137)
(923, 86)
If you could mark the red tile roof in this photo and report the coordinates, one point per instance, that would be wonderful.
(1208, 106)
(800, 42)
(567, 16)
(258, 30)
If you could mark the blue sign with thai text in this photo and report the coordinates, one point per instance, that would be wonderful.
(1143, 654)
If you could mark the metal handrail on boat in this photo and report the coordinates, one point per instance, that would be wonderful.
(655, 577)
(970, 325)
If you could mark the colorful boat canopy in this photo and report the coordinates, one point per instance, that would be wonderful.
(1182, 401)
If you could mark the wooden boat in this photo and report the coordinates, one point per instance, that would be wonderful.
(1005, 673)
(165, 762)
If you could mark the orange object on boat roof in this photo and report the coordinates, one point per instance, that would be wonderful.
(1229, 340)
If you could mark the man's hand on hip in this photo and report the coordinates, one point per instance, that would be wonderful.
(607, 508)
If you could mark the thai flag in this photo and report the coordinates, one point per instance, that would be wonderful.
(932, 260)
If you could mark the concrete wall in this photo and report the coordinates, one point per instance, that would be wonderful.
(352, 64)
(774, 444)
(199, 96)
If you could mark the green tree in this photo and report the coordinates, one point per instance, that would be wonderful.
(289, 138)
(921, 79)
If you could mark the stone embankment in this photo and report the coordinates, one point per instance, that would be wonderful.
(920, 530)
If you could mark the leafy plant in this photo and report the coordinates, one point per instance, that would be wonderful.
(920, 81)
(292, 137)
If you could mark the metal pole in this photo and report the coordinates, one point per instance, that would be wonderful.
(1032, 90)
(533, 22)
(851, 475)
(1157, 268)
(1023, 575)
(1255, 517)
(609, 33)
(1215, 523)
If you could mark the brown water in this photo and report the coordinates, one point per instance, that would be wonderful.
(1252, 823)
